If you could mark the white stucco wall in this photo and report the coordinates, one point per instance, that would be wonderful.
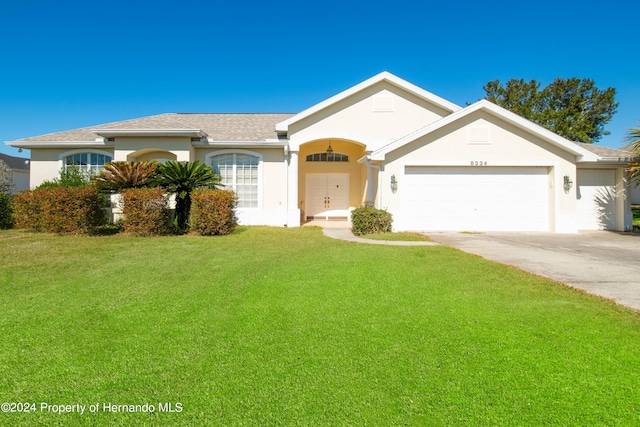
(507, 146)
(375, 116)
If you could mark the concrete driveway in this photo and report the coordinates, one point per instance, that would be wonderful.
(600, 262)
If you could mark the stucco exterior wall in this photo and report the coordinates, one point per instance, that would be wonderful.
(375, 116)
(46, 163)
(507, 145)
(273, 184)
(138, 148)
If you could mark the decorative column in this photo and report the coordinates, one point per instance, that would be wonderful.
(293, 211)
(370, 185)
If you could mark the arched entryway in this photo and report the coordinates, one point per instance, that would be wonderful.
(331, 182)
(149, 154)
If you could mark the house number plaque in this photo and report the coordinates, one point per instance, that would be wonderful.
(478, 163)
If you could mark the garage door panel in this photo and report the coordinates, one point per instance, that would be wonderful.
(476, 199)
(596, 200)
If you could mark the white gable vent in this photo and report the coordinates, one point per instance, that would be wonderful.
(479, 135)
(383, 103)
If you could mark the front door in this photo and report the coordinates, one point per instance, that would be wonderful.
(327, 195)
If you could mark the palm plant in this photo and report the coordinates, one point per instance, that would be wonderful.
(633, 145)
(118, 175)
(181, 178)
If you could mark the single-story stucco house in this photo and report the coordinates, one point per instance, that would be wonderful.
(433, 164)
(20, 168)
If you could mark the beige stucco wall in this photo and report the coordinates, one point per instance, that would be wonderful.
(509, 146)
(272, 209)
(139, 148)
(354, 118)
(47, 162)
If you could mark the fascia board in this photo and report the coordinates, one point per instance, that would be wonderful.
(384, 76)
(508, 116)
(107, 133)
(255, 144)
(56, 144)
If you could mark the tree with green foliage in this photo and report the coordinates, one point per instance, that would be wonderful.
(118, 175)
(633, 145)
(70, 177)
(181, 178)
(573, 108)
(6, 178)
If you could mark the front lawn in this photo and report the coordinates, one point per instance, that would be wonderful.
(287, 327)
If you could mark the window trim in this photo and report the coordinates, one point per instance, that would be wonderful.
(208, 156)
(62, 156)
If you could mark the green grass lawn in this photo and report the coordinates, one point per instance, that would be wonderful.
(287, 327)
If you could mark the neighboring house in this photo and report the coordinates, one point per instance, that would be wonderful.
(433, 164)
(20, 169)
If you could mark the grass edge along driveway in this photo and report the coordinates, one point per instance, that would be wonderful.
(273, 326)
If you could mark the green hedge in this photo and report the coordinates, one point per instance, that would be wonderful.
(212, 212)
(77, 210)
(369, 220)
(6, 219)
(146, 212)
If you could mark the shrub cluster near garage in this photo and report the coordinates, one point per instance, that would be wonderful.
(369, 220)
(212, 212)
(76, 210)
(146, 212)
(6, 220)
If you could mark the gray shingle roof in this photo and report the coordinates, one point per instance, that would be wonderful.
(247, 127)
(16, 163)
(605, 151)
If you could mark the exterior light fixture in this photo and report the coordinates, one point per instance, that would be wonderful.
(329, 149)
(567, 183)
(394, 184)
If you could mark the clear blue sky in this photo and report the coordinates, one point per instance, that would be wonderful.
(70, 64)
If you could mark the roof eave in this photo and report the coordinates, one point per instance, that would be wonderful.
(383, 76)
(582, 155)
(56, 144)
(110, 133)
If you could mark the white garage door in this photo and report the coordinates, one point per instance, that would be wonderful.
(596, 202)
(475, 199)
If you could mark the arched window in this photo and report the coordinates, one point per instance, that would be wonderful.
(327, 157)
(239, 172)
(87, 161)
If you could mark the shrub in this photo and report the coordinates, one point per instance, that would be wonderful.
(77, 210)
(69, 177)
(119, 175)
(212, 212)
(6, 220)
(369, 220)
(146, 212)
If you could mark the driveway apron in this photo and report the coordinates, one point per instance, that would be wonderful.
(602, 263)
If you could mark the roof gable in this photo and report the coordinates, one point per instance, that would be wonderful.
(381, 77)
(506, 115)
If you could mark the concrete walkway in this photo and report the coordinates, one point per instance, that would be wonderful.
(341, 230)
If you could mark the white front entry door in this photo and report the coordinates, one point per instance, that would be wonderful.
(327, 195)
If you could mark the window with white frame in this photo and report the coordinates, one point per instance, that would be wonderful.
(239, 172)
(92, 163)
